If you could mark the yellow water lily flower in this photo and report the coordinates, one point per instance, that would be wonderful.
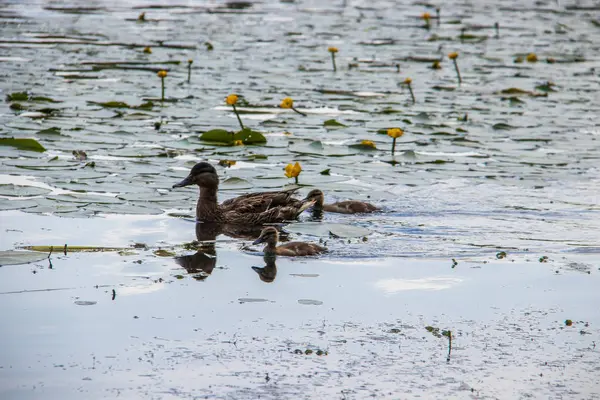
(395, 132)
(293, 170)
(332, 49)
(190, 61)
(231, 99)
(368, 143)
(287, 103)
(407, 81)
(162, 74)
(147, 50)
(453, 55)
(531, 57)
(238, 143)
(426, 16)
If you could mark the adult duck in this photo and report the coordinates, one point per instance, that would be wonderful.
(252, 209)
(270, 236)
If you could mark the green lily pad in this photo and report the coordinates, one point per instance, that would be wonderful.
(17, 96)
(332, 123)
(501, 126)
(14, 257)
(11, 190)
(246, 135)
(22, 144)
(326, 229)
(235, 183)
(50, 131)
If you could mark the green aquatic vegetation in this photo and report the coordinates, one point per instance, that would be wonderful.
(500, 255)
(17, 96)
(121, 104)
(50, 131)
(23, 144)
(332, 123)
(246, 136)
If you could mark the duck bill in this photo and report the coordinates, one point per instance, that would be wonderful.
(186, 182)
(259, 240)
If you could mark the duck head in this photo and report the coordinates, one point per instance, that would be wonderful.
(268, 235)
(202, 174)
(317, 196)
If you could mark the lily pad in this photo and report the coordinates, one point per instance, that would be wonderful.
(326, 229)
(235, 183)
(11, 190)
(72, 249)
(246, 135)
(15, 257)
(17, 96)
(332, 123)
(23, 144)
(50, 131)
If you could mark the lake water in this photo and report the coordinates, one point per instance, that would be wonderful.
(499, 173)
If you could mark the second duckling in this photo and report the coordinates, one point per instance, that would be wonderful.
(270, 236)
(342, 207)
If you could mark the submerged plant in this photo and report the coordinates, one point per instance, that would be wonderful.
(408, 82)
(333, 50)
(231, 100)
(288, 103)
(293, 171)
(394, 133)
(162, 74)
(190, 62)
(453, 56)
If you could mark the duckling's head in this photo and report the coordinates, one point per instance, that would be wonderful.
(202, 174)
(317, 196)
(268, 235)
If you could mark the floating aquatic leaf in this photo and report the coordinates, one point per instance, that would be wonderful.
(50, 131)
(84, 303)
(111, 104)
(11, 190)
(326, 171)
(60, 248)
(44, 99)
(22, 144)
(310, 302)
(247, 136)
(235, 183)
(501, 126)
(332, 123)
(17, 96)
(15, 257)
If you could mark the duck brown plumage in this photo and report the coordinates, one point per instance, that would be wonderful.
(252, 209)
(270, 236)
(342, 207)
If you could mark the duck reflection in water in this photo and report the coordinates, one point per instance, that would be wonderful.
(201, 264)
(267, 273)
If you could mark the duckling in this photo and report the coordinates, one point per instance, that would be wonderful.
(342, 207)
(253, 209)
(270, 236)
